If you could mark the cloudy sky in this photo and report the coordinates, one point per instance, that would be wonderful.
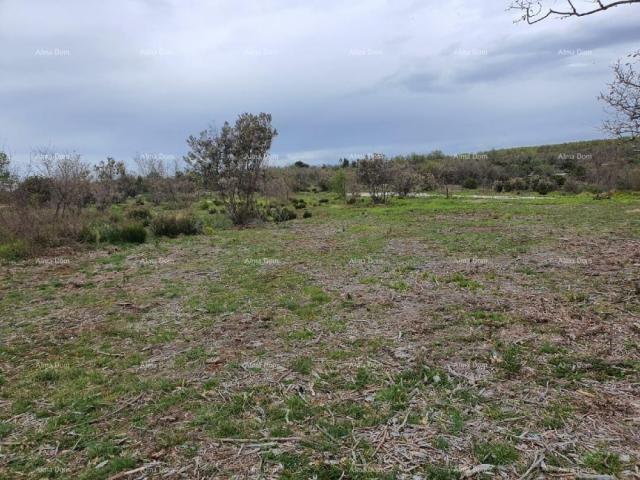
(340, 78)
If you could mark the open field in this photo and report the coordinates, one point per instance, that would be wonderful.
(414, 340)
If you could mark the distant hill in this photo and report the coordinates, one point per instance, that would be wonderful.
(601, 164)
(583, 149)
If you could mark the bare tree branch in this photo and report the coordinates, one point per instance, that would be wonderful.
(623, 98)
(534, 11)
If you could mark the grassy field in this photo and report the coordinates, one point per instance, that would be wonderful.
(414, 340)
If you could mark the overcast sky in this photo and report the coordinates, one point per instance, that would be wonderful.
(341, 79)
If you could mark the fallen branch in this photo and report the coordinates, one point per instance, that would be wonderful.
(257, 440)
(135, 470)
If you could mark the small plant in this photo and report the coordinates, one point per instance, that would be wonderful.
(363, 378)
(435, 472)
(462, 281)
(496, 453)
(302, 365)
(512, 358)
(603, 462)
(307, 214)
(173, 225)
(556, 414)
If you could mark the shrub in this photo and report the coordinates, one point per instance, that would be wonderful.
(203, 204)
(14, 250)
(143, 215)
(543, 186)
(376, 174)
(516, 184)
(572, 186)
(130, 233)
(470, 183)
(307, 214)
(37, 227)
(281, 214)
(111, 233)
(498, 186)
(174, 225)
(298, 204)
(323, 200)
(35, 190)
(602, 196)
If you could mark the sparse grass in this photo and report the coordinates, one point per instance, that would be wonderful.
(302, 365)
(603, 462)
(327, 365)
(496, 453)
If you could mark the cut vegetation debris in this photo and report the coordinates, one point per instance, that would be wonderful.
(427, 338)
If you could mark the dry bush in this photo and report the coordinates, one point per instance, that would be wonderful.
(278, 184)
(155, 171)
(405, 179)
(70, 180)
(36, 228)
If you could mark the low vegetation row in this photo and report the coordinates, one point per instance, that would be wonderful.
(228, 182)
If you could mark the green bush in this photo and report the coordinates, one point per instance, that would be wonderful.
(543, 186)
(280, 214)
(111, 233)
(516, 184)
(14, 251)
(130, 233)
(36, 189)
(142, 215)
(173, 225)
(470, 183)
(298, 204)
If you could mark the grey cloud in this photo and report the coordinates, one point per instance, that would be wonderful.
(140, 76)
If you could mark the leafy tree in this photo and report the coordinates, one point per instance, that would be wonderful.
(110, 170)
(109, 173)
(376, 174)
(232, 161)
(405, 179)
(339, 184)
